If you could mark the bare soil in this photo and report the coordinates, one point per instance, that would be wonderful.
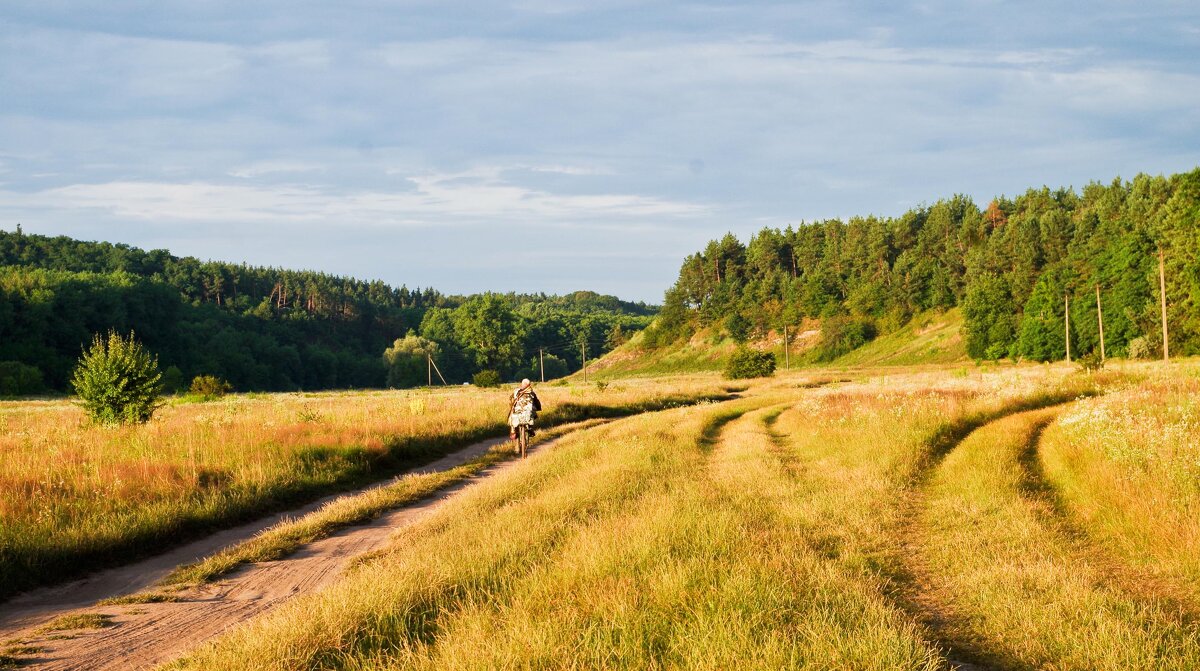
(140, 636)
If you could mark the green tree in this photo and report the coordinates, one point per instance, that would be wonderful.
(489, 328)
(1042, 325)
(117, 380)
(407, 360)
(989, 319)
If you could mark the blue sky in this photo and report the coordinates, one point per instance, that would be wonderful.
(555, 146)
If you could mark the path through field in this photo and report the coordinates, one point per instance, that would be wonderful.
(145, 635)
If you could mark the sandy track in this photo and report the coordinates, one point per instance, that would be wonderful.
(145, 635)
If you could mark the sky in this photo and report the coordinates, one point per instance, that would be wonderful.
(555, 146)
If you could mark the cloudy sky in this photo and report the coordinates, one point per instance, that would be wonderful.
(543, 145)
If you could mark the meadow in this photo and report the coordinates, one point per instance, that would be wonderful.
(75, 496)
(904, 519)
(1015, 517)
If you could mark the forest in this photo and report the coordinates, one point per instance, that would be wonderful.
(269, 329)
(1012, 267)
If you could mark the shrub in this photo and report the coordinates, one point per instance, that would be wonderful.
(18, 379)
(1140, 348)
(209, 387)
(747, 363)
(1090, 362)
(117, 380)
(486, 378)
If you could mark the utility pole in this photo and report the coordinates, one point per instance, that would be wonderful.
(429, 369)
(1100, 321)
(1067, 322)
(439, 372)
(583, 352)
(787, 355)
(1162, 293)
(542, 363)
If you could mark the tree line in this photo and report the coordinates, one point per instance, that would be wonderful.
(1012, 267)
(267, 328)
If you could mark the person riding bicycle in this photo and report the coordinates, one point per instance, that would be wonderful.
(523, 408)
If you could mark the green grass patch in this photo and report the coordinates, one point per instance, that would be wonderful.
(76, 621)
(141, 597)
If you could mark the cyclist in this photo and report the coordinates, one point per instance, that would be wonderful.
(523, 408)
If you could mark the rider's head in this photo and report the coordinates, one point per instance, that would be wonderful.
(525, 383)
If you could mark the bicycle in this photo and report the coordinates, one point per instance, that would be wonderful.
(522, 439)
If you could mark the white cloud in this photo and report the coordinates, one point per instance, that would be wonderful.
(468, 198)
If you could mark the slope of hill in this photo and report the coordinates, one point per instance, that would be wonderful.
(932, 337)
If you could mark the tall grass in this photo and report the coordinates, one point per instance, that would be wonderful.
(75, 495)
(586, 554)
(690, 538)
(1006, 583)
(1127, 469)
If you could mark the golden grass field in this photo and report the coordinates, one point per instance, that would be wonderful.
(74, 495)
(1015, 517)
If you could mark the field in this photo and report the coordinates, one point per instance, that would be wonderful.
(1011, 517)
(74, 496)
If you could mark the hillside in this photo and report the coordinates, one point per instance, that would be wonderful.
(930, 338)
(1011, 269)
(933, 337)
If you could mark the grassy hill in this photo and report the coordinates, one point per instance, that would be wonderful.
(933, 337)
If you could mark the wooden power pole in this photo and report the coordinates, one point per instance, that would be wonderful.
(1162, 294)
(542, 363)
(429, 369)
(1100, 321)
(787, 356)
(1067, 323)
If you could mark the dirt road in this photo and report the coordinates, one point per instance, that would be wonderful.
(144, 635)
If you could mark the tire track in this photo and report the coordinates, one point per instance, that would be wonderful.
(1001, 577)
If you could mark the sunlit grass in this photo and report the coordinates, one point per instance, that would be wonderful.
(1005, 582)
(1127, 467)
(74, 494)
(657, 542)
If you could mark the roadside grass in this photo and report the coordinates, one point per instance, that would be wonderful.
(601, 553)
(1127, 470)
(689, 538)
(75, 497)
(287, 536)
(1001, 578)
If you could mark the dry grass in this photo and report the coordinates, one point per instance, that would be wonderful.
(74, 494)
(1127, 468)
(1005, 582)
(661, 541)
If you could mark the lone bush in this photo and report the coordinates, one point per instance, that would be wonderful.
(747, 363)
(486, 378)
(117, 380)
(1140, 348)
(1090, 362)
(209, 387)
